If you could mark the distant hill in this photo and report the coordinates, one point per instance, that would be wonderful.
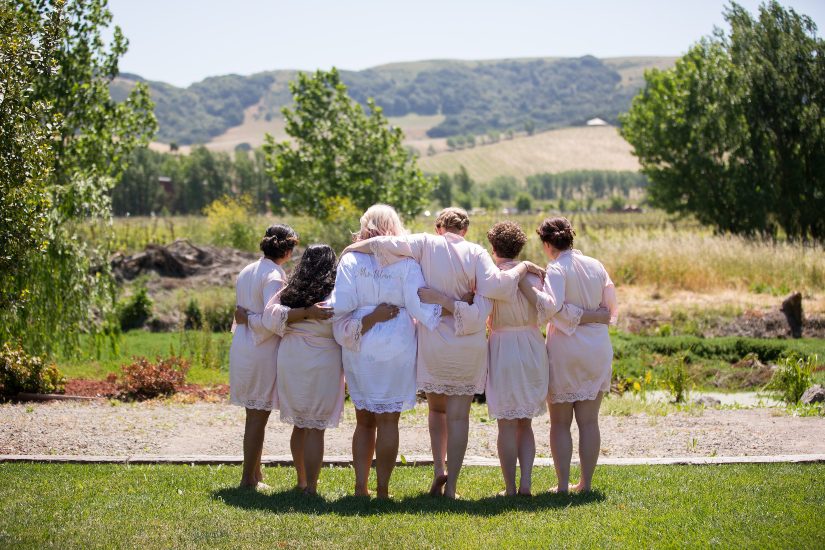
(452, 97)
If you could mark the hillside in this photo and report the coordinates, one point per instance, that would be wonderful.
(585, 148)
(450, 97)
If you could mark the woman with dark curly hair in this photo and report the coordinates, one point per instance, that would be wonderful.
(580, 355)
(252, 368)
(310, 377)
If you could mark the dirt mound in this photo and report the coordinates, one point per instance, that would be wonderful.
(767, 324)
(183, 260)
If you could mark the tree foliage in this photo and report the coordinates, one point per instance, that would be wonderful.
(735, 132)
(62, 284)
(338, 151)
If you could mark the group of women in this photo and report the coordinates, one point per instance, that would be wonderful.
(403, 314)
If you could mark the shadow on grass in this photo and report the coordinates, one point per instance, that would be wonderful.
(292, 501)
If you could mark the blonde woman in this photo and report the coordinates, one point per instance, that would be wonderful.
(580, 356)
(375, 309)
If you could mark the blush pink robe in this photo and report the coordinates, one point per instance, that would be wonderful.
(310, 377)
(252, 360)
(518, 373)
(581, 357)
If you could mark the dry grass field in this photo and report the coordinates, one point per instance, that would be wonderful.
(581, 148)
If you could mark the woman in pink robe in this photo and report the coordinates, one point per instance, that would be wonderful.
(580, 356)
(252, 364)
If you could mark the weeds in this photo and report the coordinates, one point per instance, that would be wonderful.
(793, 375)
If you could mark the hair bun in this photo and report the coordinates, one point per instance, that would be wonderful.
(278, 241)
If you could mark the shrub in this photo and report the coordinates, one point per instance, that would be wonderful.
(675, 378)
(228, 222)
(136, 311)
(143, 379)
(21, 372)
(192, 316)
(204, 349)
(793, 375)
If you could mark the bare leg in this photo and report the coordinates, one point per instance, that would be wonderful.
(386, 450)
(437, 421)
(458, 425)
(296, 445)
(561, 443)
(587, 419)
(526, 442)
(508, 453)
(313, 458)
(363, 448)
(253, 443)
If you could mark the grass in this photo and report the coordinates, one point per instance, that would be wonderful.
(776, 505)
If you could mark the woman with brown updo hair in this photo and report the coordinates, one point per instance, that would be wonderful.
(580, 355)
(252, 361)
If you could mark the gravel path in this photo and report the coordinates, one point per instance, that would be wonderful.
(202, 428)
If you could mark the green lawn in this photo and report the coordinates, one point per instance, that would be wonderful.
(634, 354)
(743, 506)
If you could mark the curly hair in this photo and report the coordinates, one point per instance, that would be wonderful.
(312, 279)
(278, 241)
(557, 232)
(507, 239)
(452, 218)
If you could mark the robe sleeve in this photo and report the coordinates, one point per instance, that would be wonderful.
(428, 315)
(388, 249)
(491, 281)
(271, 290)
(472, 318)
(273, 320)
(609, 299)
(346, 328)
(550, 299)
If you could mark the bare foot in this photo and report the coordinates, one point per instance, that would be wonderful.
(261, 486)
(558, 491)
(580, 488)
(363, 493)
(526, 493)
(454, 496)
(310, 492)
(437, 488)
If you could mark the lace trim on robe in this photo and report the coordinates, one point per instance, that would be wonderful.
(280, 315)
(568, 327)
(380, 408)
(458, 315)
(514, 414)
(451, 389)
(258, 404)
(572, 397)
(306, 422)
(352, 334)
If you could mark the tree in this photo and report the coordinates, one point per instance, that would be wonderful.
(442, 192)
(64, 284)
(735, 132)
(523, 202)
(339, 152)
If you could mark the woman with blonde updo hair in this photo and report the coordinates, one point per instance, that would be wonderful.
(252, 358)
(374, 311)
(580, 355)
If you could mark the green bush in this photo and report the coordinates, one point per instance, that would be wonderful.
(675, 378)
(228, 222)
(21, 372)
(136, 311)
(192, 316)
(793, 375)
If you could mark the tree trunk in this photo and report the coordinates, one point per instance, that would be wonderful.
(792, 308)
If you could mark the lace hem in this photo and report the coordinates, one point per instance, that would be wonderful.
(542, 311)
(311, 423)
(380, 408)
(380, 252)
(257, 404)
(569, 326)
(451, 389)
(514, 414)
(352, 334)
(572, 397)
(280, 316)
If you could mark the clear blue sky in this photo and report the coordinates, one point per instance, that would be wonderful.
(183, 41)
